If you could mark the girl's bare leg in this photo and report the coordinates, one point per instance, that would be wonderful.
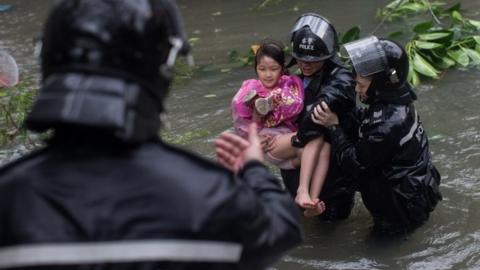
(308, 163)
(319, 175)
(282, 148)
(321, 170)
(307, 158)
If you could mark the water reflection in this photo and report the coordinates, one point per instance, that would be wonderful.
(449, 110)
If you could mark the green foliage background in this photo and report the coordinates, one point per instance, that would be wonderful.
(447, 39)
(15, 102)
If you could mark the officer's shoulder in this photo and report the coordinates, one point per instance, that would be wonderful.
(340, 73)
(391, 117)
(20, 164)
(340, 70)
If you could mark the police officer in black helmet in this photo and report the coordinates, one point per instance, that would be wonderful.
(314, 44)
(106, 192)
(391, 158)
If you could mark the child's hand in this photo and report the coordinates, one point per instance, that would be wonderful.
(271, 143)
(265, 142)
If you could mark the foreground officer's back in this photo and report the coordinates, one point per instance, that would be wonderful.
(106, 192)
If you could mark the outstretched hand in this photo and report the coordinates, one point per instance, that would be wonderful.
(322, 115)
(233, 151)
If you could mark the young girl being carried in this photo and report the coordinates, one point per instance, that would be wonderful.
(274, 100)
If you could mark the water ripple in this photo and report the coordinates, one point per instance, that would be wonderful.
(359, 264)
(449, 256)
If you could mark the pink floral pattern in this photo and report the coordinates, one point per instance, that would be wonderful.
(287, 104)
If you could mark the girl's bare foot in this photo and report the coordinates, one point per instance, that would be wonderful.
(318, 210)
(304, 200)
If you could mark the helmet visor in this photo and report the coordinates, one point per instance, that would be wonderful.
(367, 56)
(8, 70)
(318, 25)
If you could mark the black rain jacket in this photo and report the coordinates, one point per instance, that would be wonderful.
(76, 192)
(391, 159)
(336, 87)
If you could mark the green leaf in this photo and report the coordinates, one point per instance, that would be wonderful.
(473, 55)
(351, 35)
(434, 36)
(427, 45)
(395, 35)
(413, 77)
(457, 16)
(475, 23)
(193, 40)
(477, 39)
(460, 57)
(447, 62)
(436, 137)
(422, 27)
(393, 4)
(413, 7)
(437, 4)
(422, 66)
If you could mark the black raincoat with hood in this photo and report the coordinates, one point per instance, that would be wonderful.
(391, 159)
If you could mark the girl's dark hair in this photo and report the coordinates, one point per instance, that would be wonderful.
(273, 49)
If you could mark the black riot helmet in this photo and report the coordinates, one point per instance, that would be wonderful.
(386, 62)
(314, 38)
(108, 65)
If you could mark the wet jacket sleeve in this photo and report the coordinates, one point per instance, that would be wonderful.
(372, 150)
(270, 223)
(339, 95)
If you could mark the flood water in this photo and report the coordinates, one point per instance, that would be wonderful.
(199, 110)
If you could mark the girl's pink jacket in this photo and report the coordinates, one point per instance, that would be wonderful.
(287, 104)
